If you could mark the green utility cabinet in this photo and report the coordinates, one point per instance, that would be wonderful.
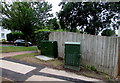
(72, 55)
(49, 48)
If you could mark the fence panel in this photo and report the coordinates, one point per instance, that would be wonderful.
(98, 51)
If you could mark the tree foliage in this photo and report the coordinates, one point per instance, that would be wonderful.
(18, 16)
(108, 32)
(90, 17)
(53, 24)
(25, 16)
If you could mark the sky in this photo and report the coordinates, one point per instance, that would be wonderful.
(55, 7)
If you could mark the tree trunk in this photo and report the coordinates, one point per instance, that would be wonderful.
(26, 41)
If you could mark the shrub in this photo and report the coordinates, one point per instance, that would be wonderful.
(15, 35)
(43, 35)
(89, 67)
(3, 40)
(10, 37)
(108, 32)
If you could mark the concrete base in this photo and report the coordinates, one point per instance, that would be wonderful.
(45, 58)
(42, 78)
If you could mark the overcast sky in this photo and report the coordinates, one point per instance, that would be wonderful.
(55, 7)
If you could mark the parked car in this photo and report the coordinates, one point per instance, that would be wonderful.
(21, 42)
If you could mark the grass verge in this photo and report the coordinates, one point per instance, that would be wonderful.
(6, 49)
(59, 64)
(30, 58)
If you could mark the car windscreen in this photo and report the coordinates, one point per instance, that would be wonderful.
(19, 40)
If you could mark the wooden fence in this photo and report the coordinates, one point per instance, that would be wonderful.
(98, 51)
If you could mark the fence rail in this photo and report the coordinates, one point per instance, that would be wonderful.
(98, 51)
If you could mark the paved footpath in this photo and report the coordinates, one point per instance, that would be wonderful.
(21, 71)
(2, 55)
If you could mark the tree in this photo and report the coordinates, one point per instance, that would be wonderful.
(53, 24)
(108, 32)
(90, 17)
(42, 13)
(25, 16)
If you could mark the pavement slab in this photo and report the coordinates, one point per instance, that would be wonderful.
(42, 78)
(45, 58)
(2, 55)
(66, 74)
(16, 67)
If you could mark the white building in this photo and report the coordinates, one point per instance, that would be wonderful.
(3, 33)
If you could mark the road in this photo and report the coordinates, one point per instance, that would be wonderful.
(22, 71)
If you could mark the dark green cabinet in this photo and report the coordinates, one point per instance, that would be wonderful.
(49, 48)
(72, 55)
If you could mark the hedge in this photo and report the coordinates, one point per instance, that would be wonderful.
(15, 35)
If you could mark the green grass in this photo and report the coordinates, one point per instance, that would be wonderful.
(24, 55)
(30, 58)
(6, 49)
(0, 49)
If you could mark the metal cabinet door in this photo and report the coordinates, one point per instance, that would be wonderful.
(72, 56)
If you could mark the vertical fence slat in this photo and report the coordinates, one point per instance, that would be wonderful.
(98, 51)
(103, 53)
(116, 58)
(118, 69)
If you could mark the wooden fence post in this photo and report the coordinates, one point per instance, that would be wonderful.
(119, 56)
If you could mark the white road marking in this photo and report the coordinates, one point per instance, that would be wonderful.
(16, 67)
